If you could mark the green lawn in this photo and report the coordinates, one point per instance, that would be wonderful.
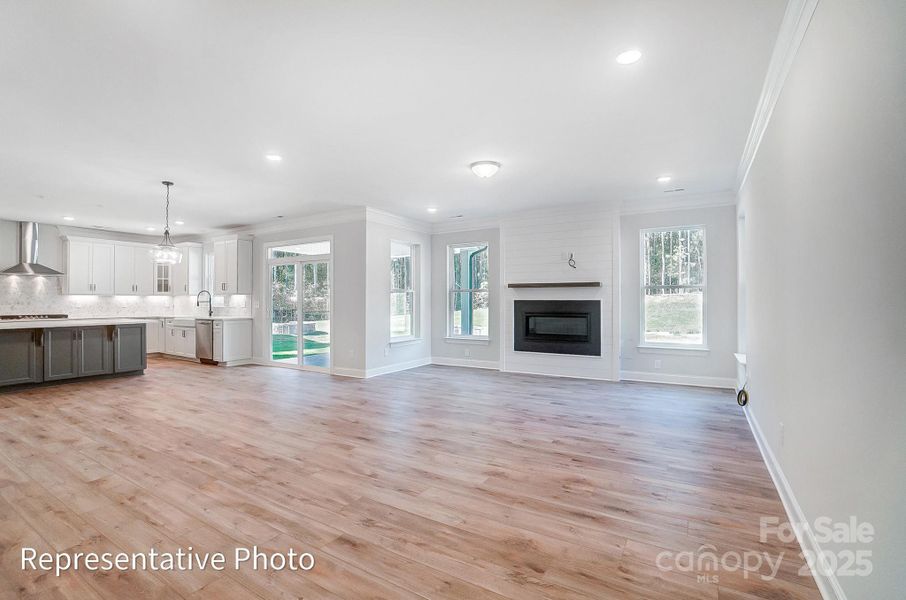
(285, 346)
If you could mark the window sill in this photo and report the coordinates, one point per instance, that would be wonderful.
(405, 341)
(482, 340)
(665, 349)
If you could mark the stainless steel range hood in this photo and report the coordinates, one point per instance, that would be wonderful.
(28, 254)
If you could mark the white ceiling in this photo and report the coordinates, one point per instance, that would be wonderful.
(371, 103)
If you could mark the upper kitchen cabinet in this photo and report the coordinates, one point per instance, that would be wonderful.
(89, 267)
(187, 275)
(232, 266)
(133, 270)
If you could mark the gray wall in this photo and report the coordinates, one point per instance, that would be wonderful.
(442, 348)
(823, 254)
(716, 366)
(381, 356)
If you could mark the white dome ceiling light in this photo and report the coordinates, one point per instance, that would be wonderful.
(166, 252)
(629, 57)
(664, 179)
(485, 168)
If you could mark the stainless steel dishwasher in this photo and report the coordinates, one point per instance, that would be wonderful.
(204, 340)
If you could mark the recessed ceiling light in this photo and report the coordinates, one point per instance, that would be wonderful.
(485, 168)
(664, 179)
(149, 229)
(432, 210)
(273, 157)
(179, 222)
(69, 218)
(628, 57)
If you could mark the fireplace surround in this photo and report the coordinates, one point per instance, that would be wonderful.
(557, 326)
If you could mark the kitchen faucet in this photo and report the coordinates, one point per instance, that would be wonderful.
(198, 301)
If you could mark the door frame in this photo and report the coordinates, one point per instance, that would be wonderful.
(269, 297)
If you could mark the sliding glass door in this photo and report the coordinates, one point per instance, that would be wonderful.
(316, 314)
(300, 305)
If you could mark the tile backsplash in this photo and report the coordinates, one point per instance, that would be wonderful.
(43, 295)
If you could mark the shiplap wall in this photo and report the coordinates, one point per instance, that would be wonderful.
(536, 246)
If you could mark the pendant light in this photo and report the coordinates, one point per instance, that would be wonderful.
(166, 253)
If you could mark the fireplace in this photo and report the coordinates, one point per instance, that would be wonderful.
(558, 326)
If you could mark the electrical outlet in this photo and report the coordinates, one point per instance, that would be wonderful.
(657, 364)
(782, 436)
(468, 352)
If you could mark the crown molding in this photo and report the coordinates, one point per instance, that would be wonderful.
(688, 202)
(376, 215)
(466, 225)
(795, 23)
(348, 215)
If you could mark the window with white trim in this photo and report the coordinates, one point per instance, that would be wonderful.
(469, 291)
(673, 287)
(403, 291)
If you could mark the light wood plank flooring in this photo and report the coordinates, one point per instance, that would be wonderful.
(437, 482)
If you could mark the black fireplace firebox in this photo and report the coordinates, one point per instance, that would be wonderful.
(558, 326)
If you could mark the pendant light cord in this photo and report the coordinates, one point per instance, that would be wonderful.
(167, 212)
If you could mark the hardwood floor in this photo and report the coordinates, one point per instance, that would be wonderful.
(437, 482)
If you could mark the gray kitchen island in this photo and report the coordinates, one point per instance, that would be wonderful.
(51, 350)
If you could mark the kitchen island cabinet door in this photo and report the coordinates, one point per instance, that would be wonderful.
(129, 348)
(95, 351)
(61, 353)
(19, 358)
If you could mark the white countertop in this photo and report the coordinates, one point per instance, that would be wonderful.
(97, 321)
(50, 323)
(214, 318)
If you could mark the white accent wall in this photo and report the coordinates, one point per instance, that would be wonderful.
(535, 247)
(714, 366)
(824, 259)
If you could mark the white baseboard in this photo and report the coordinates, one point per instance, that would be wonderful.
(828, 584)
(403, 366)
(344, 372)
(562, 375)
(465, 362)
(238, 363)
(696, 380)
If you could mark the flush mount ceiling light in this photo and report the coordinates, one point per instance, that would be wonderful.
(166, 253)
(179, 222)
(273, 157)
(432, 210)
(69, 218)
(485, 168)
(664, 179)
(149, 228)
(628, 57)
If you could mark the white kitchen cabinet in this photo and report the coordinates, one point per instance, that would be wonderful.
(163, 279)
(186, 276)
(169, 345)
(153, 336)
(179, 340)
(89, 268)
(232, 340)
(133, 270)
(232, 267)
